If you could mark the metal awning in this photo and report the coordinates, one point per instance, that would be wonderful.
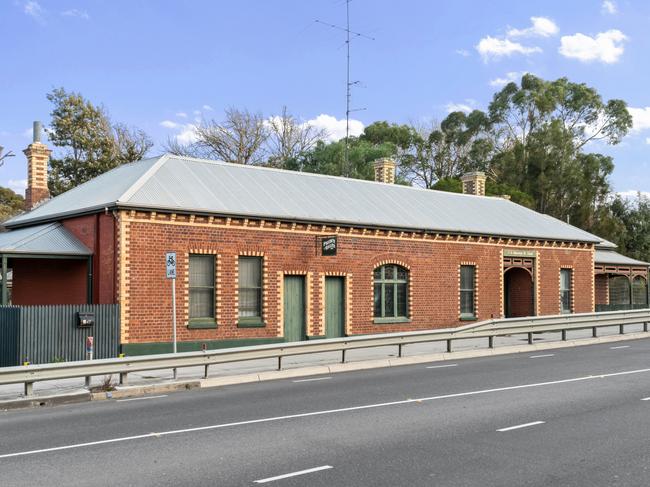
(47, 240)
(614, 258)
(50, 241)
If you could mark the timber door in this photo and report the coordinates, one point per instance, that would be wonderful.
(334, 307)
(294, 308)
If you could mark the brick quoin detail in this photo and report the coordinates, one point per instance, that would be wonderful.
(433, 261)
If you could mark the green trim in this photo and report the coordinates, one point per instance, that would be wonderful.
(316, 337)
(468, 318)
(253, 322)
(387, 321)
(202, 323)
(132, 349)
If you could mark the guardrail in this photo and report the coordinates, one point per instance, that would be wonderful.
(485, 329)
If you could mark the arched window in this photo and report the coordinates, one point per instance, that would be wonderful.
(639, 291)
(619, 291)
(391, 292)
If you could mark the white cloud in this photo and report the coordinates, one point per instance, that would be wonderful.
(494, 48)
(606, 47)
(609, 7)
(207, 108)
(73, 12)
(640, 118)
(34, 10)
(197, 112)
(181, 114)
(458, 107)
(632, 194)
(17, 185)
(334, 127)
(508, 78)
(540, 27)
(168, 124)
(187, 135)
(462, 52)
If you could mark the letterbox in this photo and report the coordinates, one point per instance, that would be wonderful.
(84, 320)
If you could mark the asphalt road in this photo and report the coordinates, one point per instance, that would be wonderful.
(567, 417)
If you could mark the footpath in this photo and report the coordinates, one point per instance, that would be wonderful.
(64, 391)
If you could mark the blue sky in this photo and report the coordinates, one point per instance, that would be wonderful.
(160, 65)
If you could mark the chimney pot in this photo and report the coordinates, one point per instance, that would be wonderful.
(385, 170)
(36, 135)
(474, 183)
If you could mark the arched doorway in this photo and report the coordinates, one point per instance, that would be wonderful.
(518, 292)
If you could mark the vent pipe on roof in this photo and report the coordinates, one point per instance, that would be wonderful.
(474, 183)
(38, 156)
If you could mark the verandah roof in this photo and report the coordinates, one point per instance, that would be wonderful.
(48, 240)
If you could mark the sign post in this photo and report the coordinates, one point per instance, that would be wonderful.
(170, 264)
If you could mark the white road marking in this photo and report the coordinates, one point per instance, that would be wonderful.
(324, 412)
(646, 399)
(519, 426)
(312, 380)
(140, 398)
(542, 356)
(620, 346)
(294, 474)
(441, 366)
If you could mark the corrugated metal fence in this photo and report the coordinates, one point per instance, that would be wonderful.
(44, 334)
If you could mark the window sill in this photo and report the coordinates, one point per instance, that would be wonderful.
(250, 323)
(315, 337)
(202, 324)
(388, 321)
(468, 318)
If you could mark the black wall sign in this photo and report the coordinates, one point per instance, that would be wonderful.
(329, 246)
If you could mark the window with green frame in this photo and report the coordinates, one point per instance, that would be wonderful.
(202, 295)
(467, 291)
(565, 291)
(250, 291)
(391, 293)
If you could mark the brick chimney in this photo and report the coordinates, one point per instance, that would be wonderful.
(385, 170)
(474, 183)
(38, 156)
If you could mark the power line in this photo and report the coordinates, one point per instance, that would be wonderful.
(349, 84)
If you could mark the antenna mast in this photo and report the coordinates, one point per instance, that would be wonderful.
(348, 95)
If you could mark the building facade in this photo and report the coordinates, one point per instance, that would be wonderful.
(265, 255)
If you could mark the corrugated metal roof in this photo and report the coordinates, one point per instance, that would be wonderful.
(611, 257)
(184, 184)
(50, 239)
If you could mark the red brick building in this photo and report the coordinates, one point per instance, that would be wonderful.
(266, 255)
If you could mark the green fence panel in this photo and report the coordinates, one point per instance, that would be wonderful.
(9, 332)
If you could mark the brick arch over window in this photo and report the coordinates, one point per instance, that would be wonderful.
(391, 291)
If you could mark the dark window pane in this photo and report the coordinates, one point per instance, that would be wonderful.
(250, 271)
(619, 290)
(377, 274)
(639, 291)
(250, 287)
(201, 303)
(389, 300)
(201, 277)
(565, 279)
(467, 277)
(202, 270)
(402, 299)
(566, 301)
(467, 303)
(377, 300)
(389, 272)
(402, 274)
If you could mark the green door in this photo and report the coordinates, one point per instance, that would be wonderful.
(294, 308)
(334, 307)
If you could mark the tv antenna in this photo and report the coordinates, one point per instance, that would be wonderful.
(349, 84)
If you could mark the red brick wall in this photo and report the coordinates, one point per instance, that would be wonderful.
(48, 281)
(520, 299)
(602, 289)
(433, 278)
(97, 232)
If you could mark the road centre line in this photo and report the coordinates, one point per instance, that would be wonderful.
(620, 346)
(441, 366)
(312, 380)
(323, 413)
(519, 426)
(140, 398)
(293, 474)
(542, 356)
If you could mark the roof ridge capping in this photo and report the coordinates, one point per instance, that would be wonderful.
(142, 180)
